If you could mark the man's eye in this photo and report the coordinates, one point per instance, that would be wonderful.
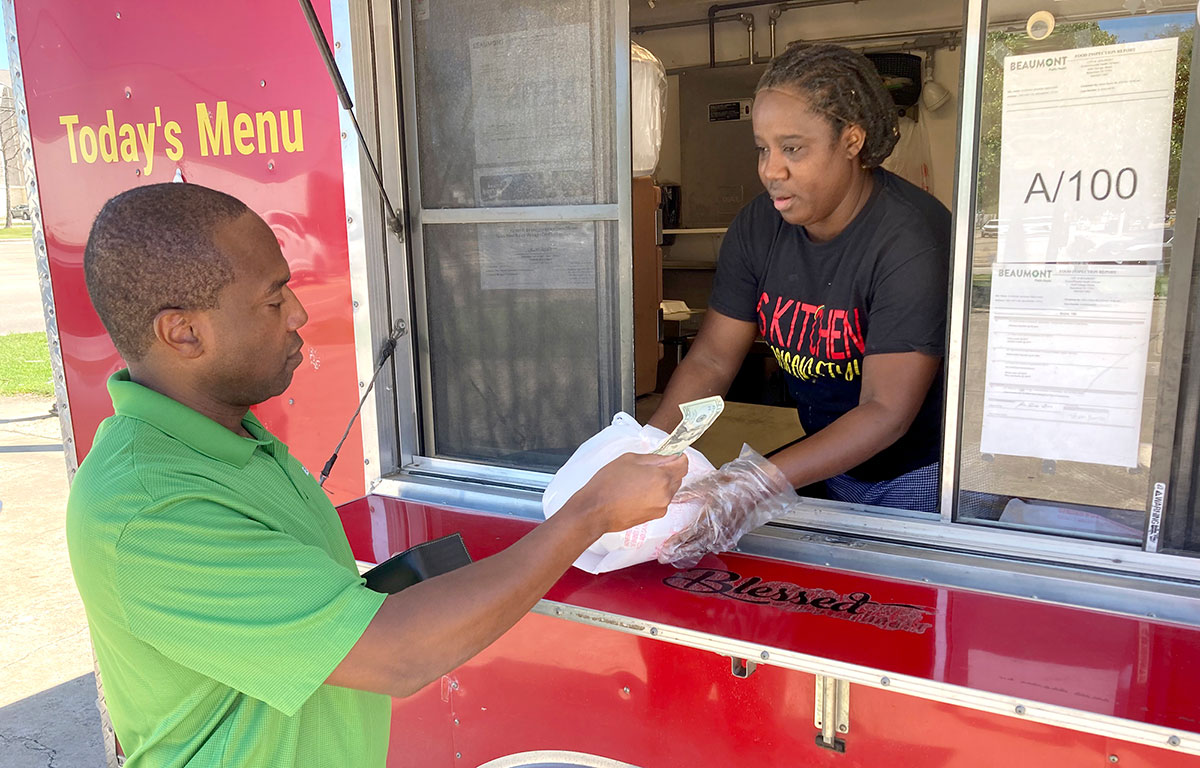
(276, 305)
(791, 150)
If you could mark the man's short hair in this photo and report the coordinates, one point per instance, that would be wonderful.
(151, 248)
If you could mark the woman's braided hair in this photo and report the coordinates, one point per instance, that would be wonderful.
(844, 87)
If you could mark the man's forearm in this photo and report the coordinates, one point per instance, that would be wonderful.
(436, 625)
(432, 627)
(692, 380)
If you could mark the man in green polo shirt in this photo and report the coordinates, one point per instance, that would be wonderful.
(227, 614)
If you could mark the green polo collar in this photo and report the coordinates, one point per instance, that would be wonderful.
(189, 427)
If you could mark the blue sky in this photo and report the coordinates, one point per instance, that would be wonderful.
(1145, 26)
(4, 47)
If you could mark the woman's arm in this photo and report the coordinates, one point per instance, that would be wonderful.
(894, 386)
(709, 366)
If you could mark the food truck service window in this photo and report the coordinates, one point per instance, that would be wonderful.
(1070, 407)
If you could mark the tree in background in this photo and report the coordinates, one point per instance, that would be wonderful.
(1179, 111)
(10, 141)
(8, 119)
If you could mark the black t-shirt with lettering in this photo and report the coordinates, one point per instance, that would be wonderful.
(880, 286)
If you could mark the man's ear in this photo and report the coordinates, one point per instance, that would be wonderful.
(176, 328)
(853, 139)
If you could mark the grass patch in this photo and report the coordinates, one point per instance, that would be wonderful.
(18, 231)
(25, 365)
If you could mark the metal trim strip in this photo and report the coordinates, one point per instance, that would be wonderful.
(602, 212)
(982, 701)
(41, 257)
(827, 518)
(1177, 416)
(401, 392)
(974, 35)
(834, 517)
(345, 49)
(466, 495)
(418, 436)
(479, 473)
(623, 134)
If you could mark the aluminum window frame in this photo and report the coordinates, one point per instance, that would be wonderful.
(614, 295)
(1177, 430)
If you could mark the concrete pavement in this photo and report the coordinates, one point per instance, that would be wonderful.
(48, 714)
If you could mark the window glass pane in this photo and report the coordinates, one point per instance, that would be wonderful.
(514, 102)
(1081, 132)
(515, 355)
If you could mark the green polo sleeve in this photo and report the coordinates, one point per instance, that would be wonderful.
(256, 609)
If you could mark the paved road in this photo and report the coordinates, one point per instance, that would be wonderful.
(20, 296)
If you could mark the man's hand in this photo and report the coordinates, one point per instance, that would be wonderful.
(630, 490)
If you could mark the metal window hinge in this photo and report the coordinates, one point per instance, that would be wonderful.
(831, 712)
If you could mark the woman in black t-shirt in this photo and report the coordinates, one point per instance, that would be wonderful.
(842, 268)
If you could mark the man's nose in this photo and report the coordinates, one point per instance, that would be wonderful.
(298, 317)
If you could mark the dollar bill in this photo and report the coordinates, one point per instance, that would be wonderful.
(698, 415)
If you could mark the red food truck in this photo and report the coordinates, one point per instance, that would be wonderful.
(1048, 614)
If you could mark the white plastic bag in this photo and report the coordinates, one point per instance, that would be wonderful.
(648, 79)
(910, 159)
(639, 544)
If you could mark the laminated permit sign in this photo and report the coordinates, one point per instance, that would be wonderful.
(1083, 185)
(1085, 139)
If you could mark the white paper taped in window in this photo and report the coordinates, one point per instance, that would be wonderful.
(1085, 145)
(649, 101)
(1066, 366)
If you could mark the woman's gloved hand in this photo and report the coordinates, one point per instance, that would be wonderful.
(738, 497)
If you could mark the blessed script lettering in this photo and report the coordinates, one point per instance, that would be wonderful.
(857, 607)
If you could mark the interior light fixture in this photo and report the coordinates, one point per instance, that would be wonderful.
(933, 95)
(1040, 25)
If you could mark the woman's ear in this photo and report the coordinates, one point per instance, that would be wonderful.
(853, 139)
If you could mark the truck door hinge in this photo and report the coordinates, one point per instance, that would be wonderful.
(741, 668)
(831, 714)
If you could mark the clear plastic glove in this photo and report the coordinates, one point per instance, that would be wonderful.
(738, 497)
